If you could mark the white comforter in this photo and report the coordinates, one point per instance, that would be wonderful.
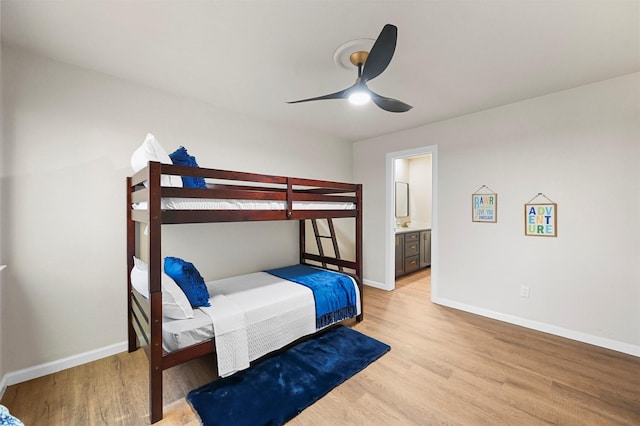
(256, 314)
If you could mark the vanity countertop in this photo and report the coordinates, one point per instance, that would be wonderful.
(405, 230)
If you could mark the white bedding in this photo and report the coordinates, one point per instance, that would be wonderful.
(252, 315)
(216, 204)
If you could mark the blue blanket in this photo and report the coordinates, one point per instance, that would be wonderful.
(334, 294)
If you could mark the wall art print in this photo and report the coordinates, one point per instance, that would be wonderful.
(541, 219)
(484, 205)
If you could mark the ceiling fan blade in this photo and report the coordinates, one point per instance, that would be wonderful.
(337, 95)
(389, 104)
(381, 53)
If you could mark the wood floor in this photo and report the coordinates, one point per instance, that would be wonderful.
(445, 367)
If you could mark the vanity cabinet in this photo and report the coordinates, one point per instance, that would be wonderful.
(399, 254)
(413, 251)
(425, 248)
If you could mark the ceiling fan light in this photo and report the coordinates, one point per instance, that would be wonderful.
(359, 97)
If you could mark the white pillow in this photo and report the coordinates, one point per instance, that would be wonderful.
(151, 150)
(174, 302)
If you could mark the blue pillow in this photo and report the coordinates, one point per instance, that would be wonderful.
(189, 279)
(180, 157)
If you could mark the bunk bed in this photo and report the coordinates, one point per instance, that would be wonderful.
(224, 199)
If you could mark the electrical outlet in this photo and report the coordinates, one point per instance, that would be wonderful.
(524, 291)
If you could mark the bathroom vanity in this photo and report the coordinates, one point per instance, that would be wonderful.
(413, 250)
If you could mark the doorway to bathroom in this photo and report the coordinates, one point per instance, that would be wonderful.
(411, 216)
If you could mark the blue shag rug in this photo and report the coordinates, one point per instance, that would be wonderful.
(278, 388)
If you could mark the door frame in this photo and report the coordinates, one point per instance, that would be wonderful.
(390, 279)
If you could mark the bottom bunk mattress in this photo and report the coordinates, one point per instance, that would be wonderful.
(250, 315)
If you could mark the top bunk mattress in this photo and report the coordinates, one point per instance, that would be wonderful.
(225, 204)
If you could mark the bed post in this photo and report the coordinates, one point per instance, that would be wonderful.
(131, 247)
(302, 235)
(155, 292)
(359, 249)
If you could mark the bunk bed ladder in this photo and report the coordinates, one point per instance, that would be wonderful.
(332, 236)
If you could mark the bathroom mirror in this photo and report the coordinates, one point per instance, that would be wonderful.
(402, 199)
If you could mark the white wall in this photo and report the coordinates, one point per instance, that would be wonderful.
(69, 134)
(416, 171)
(420, 191)
(581, 148)
(2, 385)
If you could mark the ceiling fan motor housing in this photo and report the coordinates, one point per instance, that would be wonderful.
(358, 58)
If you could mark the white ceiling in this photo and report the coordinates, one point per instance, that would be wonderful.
(452, 58)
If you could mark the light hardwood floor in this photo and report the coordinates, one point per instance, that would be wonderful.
(445, 367)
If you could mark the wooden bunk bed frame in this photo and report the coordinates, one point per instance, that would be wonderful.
(145, 316)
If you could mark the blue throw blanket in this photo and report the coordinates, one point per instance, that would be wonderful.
(334, 294)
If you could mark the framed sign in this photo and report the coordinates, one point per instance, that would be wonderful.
(541, 220)
(484, 206)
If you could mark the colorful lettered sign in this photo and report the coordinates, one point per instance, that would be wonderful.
(541, 220)
(484, 207)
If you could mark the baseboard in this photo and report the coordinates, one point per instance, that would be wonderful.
(602, 342)
(376, 284)
(41, 370)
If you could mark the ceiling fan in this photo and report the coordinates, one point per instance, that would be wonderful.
(370, 65)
